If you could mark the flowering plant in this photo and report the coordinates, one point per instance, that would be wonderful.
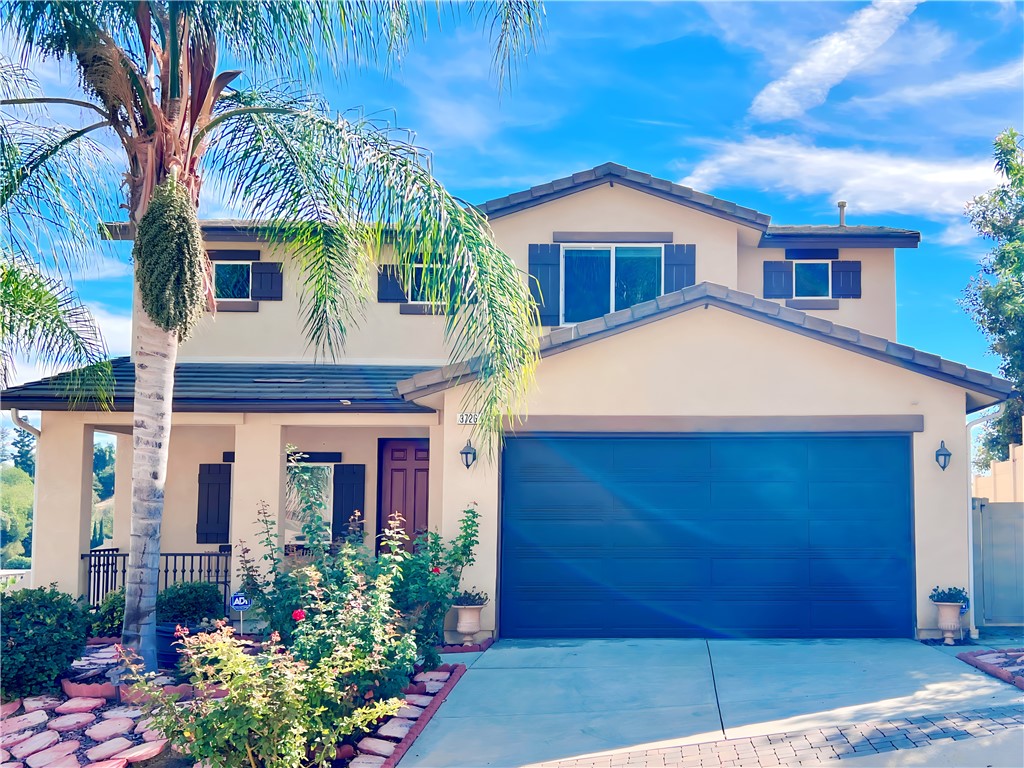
(950, 595)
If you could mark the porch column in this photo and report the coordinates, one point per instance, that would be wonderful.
(258, 475)
(123, 492)
(61, 523)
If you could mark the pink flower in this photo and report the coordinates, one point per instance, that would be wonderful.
(298, 614)
(435, 569)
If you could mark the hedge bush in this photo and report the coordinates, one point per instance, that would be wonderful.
(189, 602)
(44, 631)
(108, 617)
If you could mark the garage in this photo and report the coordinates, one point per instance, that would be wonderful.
(734, 535)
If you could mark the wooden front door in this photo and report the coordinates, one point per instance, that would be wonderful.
(403, 484)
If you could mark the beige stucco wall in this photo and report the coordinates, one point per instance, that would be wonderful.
(1005, 479)
(874, 312)
(716, 363)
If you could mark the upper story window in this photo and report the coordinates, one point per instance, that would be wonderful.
(232, 280)
(818, 281)
(597, 280)
(812, 279)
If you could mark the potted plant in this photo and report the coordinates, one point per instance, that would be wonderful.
(468, 605)
(185, 604)
(952, 602)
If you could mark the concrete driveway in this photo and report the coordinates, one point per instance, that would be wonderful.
(526, 702)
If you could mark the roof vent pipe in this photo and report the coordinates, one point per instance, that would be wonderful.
(842, 213)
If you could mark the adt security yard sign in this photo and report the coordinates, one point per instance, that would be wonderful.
(240, 602)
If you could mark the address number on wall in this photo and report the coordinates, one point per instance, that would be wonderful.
(469, 418)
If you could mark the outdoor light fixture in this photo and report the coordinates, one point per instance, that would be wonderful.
(468, 454)
(942, 456)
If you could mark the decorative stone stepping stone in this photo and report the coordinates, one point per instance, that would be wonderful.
(10, 765)
(144, 725)
(41, 702)
(21, 722)
(70, 722)
(8, 709)
(37, 743)
(107, 749)
(418, 700)
(423, 677)
(395, 728)
(68, 761)
(152, 736)
(80, 704)
(433, 686)
(108, 729)
(4, 755)
(366, 761)
(116, 713)
(409, 712)
(373, 746)
(143, 751)
(109, 764)
(51, 755)
(10, 739)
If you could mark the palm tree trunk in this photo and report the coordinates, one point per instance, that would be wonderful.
(155, 353)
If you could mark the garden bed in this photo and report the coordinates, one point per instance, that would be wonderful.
(1006, 664)
(483, 645)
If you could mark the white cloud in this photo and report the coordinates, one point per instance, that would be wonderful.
(829, 60)
(1008, 77)
(871, 181)
(116, 328)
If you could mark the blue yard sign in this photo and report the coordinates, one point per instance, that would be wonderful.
(240, 602)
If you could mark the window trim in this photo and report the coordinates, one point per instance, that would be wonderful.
(611, 248)
(231, 263)
(828, 271)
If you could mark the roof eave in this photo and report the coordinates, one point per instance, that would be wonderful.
(839, 240)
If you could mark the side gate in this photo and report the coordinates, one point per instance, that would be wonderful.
(998, 563)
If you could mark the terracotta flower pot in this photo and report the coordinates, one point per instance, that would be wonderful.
(468, 623)
(949, 620)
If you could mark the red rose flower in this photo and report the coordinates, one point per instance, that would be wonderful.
(298, 614)
(435, 569)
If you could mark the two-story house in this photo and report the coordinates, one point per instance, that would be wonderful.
(724, 437)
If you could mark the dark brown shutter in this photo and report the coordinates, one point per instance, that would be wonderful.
(778, 280)
(545, 281)
(349, 495)
(389, 286)
(212, 524)
(680, 267)
(267, 281)
(845, 279)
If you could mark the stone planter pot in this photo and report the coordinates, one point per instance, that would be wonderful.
(166, 650)
(949, 620)
(468, 623)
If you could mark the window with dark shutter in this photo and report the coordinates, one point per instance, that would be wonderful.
(846, 280)
(349, 496)
(778, 279)
(267, 281)
(545, 281)
(212, 524)
(389, 286)
(680, 267)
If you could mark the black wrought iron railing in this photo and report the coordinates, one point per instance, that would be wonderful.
(108, 568)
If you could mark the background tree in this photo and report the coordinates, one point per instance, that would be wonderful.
(24, 447)
(995, 298)
(16, 495)
(6, 451)
(103, 470)
(333, 189)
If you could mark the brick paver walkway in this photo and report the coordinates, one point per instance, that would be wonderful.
(811, 747)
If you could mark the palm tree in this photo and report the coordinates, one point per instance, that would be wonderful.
(41, 317)
(333, 189)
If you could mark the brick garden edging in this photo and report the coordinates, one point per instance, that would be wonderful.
(987, 661)
(457, 671)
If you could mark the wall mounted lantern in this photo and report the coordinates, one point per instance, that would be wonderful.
(468, 454)
(942, 456)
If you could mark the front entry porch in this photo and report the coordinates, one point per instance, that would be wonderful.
(223, 469)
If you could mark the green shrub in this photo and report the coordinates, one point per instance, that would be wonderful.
(949, 595)
(17, 563)
(190, 602)
(108, 617)
(471, 597)
(43, 632)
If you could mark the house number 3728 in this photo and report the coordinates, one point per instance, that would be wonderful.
(468, 418)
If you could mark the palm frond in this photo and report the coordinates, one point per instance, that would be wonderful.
(41, 318)
(335, 190)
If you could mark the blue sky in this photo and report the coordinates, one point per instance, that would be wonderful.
(782, 107)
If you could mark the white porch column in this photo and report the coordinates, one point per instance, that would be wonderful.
(61, 523)
(122, 492)
(258, 475)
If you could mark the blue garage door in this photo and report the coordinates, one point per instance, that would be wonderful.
(707, 536)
